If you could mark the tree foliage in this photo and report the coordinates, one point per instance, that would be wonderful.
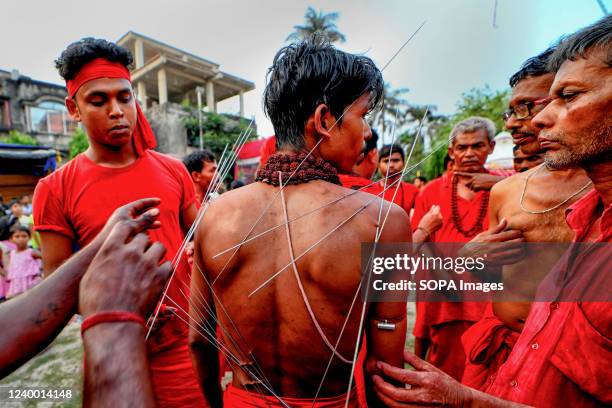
(483, 102)
(15, 137)
(218, 130)
(319, 23)
(78, 143)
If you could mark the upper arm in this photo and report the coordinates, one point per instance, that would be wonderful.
(188, 217)
(387, 345)
(55, 248)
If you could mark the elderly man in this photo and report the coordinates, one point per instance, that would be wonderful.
(562, 357)
(440, 325)
(532, 206)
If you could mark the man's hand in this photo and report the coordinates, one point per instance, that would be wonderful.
(480, 181)
(501, 245)
(428, 385)
(132, 211)
(432, 220)
(126, 274)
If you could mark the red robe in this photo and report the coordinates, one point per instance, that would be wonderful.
(354, 182)
(405, 196)
(564, 354)
(487, 345)
(77, 200)
(443, 323)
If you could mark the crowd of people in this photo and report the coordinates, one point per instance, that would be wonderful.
(269, 288)
(20, 265)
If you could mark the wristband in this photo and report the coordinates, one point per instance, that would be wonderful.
(110, 317)
(427, 234)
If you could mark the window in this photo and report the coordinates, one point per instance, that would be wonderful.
(51, 117)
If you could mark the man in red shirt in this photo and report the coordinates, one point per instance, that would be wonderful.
(440, 325)
(563, 355)
(72, 205)
(391, 162)
(201, 166)
(365, 167)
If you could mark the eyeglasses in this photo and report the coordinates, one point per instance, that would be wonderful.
(524, 110)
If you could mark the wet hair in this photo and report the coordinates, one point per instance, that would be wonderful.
(19, 228)
(195, 161)
(312, 72)
(533, 67)
(81, 52)
(387, 150)
(597, 36)
(473, 124)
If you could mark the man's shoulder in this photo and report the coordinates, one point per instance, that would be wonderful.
(164, 159)
(510, 184)
(66, 172)
(434, 187)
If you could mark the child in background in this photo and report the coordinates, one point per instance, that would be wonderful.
(23, 270)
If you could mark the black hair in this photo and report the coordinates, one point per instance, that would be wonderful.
(195, 161)
(387, 150)
(19, 228)
(533, 67)
(311, 72)
(423, 179)
(595, 36)
(81, 52)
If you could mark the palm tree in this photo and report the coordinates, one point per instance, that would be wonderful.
(393, 111)
(319, 23)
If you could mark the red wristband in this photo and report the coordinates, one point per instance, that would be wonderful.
(110, 317)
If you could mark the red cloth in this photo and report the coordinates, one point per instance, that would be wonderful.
(77, 200)
(564, 354)
(237, 398)
(405, 196)
(143, 137)
(432, 316)
(487, 345)
(354, 182)
(267, 150)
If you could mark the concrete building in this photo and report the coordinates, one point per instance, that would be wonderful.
(35, 108)
(163, 73)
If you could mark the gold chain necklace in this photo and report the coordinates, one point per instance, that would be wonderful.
(551, 208)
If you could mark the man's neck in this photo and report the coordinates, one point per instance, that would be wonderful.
(601, 175)
(106, 156)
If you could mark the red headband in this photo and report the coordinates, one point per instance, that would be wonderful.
(143, 137)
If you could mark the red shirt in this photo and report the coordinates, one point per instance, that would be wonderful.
(354, 182)
(405, 196)
(438, 192)
(77, 200)
(564, 354)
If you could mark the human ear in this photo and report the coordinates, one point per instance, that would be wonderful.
(491, 146)
(323, 120)
(73, 109)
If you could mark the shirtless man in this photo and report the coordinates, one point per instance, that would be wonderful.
(281, 340)
(539, 217)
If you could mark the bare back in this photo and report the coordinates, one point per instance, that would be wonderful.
(545, 190)
(273, 322)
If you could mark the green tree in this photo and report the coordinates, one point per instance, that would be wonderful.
(15, 137)
(78, 143)
(320, 23)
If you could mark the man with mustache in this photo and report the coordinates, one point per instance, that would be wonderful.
(524, 162)
(439, 325)
(529, 206)
(563, 355)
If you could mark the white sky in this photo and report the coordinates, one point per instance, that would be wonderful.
(458, 48)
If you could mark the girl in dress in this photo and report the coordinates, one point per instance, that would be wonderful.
(23, 270)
